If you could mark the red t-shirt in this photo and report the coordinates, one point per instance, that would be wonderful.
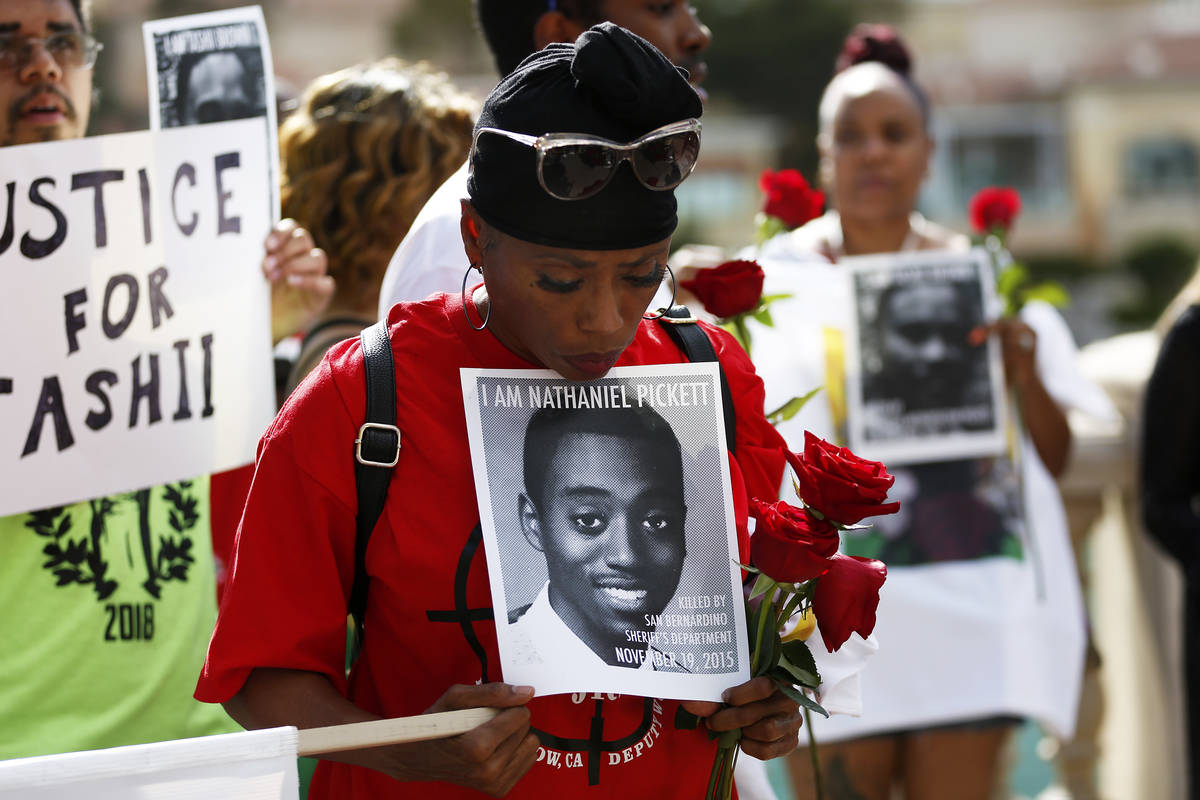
(285, 604)
(227, 493)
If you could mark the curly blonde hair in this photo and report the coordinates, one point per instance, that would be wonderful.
(365, 149)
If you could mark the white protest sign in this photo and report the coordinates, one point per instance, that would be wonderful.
(134, 315)
(213, 67)
(255, 765)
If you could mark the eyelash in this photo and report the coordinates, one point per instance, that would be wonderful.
(655, 277)
(550, 285)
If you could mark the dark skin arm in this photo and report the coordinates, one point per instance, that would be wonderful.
(1045, 421)
(770, 721)
(490, 759)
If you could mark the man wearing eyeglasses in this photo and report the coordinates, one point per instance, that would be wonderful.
(45, 71)
(430, 258)
(108, 602)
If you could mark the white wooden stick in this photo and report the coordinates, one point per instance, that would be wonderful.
(380, 732)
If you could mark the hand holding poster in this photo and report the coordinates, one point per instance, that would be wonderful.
(140, 348)
(608, 526)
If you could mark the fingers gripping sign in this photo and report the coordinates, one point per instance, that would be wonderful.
(490, 758)
(1018, 345)
(300, 286)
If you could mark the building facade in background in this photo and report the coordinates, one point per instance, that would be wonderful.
(1087, 107)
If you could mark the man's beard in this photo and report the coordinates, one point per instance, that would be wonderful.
(45, 133)
(48, 133)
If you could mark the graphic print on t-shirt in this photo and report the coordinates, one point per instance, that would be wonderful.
(949, 511)
(80, 550)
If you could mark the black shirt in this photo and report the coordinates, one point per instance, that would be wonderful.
(1171, 442)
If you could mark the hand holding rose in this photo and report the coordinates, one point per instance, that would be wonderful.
(770, 721)
(794, 552)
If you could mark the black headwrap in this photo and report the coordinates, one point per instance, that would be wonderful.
(610, 83)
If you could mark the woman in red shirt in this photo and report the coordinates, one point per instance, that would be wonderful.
(572, 245)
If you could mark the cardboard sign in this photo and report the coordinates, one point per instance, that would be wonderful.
(134, 315)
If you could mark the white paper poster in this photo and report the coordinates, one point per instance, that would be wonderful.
(255, 765)
(135, 318)
(918, 388)
(214, 67)
(608, 525)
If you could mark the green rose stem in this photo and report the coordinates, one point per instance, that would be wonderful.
(720, 780)
(812, 753)
(741, 332)
(758, 640)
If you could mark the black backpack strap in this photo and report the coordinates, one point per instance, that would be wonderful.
(681, 326)
(376, 451)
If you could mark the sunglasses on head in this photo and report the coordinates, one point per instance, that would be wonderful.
(572, 166)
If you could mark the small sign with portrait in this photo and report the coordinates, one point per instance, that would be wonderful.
(213, 67)
(920, 387)
(608, 524)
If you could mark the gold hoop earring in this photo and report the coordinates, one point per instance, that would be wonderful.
(674, 289)
(462, 295)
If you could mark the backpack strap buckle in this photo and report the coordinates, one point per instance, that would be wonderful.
(383, 442)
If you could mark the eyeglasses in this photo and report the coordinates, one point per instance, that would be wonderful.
(71, 49)
(573, 166)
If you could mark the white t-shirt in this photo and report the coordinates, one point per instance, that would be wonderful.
(958, 639)
(824, 235)
(430, 258)
(539, 636)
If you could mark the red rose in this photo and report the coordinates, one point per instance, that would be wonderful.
(839, 484)
(846, 598)
(994, 207)
(790, 198)
(789, 544)
(733, 288)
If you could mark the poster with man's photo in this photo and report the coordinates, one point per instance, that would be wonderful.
(608, 524)
(920, 387)
(213, 67)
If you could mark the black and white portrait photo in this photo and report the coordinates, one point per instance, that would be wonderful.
(211, 68)
(921, 388)
(608, 525)
(208, 68)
